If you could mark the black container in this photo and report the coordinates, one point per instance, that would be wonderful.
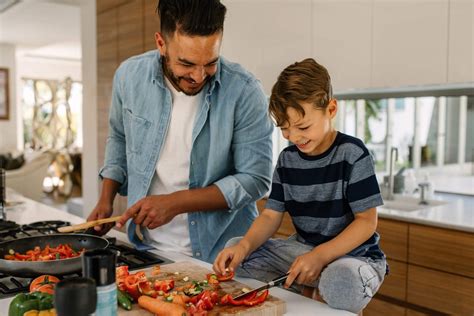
(99, 264)
(75, 296)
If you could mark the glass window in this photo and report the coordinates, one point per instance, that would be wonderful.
(375, 134)
(451, 147)
(428, 120)
(404, 115)
(470, 130)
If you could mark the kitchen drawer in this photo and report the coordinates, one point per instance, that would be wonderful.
(393, 239)
(395, 283)
(444, 292)
(443, 249)
(378, 307)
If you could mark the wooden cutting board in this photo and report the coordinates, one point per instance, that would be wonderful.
(271, 307)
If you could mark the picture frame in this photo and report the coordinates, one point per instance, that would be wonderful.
(4, 97)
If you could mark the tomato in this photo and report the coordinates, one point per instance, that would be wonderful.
(164, 285)
(46, 288)
(43, 280)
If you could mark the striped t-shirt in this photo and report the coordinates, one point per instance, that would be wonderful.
(322, 193)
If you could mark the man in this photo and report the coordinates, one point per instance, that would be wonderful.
(189, 139)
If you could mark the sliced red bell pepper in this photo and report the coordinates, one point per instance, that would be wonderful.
(131, 284)
(145, 288)
(250, 300)
(163, 285)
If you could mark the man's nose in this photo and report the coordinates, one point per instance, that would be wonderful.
(198, 74)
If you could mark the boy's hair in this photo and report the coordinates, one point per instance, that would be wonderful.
(304, 81)
(191, 17)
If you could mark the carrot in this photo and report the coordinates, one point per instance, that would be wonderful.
(161, 308)
(180, 299)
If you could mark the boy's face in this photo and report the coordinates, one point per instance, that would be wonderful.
(312, 133)
(189, 61)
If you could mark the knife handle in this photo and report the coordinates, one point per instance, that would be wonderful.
(279, 280)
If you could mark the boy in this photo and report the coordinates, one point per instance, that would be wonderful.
(326, 182)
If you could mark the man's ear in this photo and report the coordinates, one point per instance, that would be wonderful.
(332, 108)
(160, 43)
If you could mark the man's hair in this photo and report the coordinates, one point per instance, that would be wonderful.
(191, 17)
(305, 81)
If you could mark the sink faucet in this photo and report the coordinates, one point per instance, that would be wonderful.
(393, 159)
(423, 187)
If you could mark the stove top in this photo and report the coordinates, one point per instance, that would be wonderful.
(126, 255)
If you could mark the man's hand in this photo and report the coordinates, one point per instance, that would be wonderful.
(152, 211)
(306, 269)
(101, 210)
(229, 258)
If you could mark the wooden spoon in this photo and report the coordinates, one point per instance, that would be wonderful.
(72, 228)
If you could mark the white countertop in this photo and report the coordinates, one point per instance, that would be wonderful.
(457, 214)
(31, 211)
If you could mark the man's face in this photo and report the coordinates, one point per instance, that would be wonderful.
(189, 61)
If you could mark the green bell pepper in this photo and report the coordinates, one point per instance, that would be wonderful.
(124, 300)
(26, 302)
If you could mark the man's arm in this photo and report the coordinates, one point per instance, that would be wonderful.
(104, 207)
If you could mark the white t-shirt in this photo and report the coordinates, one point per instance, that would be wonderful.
(172, 170)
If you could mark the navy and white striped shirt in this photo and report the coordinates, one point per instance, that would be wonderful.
(322, 193)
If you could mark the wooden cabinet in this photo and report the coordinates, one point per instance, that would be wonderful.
(378, 307)
(394, 239)
(442, 249)
(431, 269)
(440, 291)
(395, 284)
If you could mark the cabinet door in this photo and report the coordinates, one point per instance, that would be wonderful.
(442, 249)
(267, 36)
(461, 34)
(395, 283)
(393, 239)
(377, 307)
(440, 291)
(341, 40)
(409, 42)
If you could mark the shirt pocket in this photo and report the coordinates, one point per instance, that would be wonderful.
(136, 136)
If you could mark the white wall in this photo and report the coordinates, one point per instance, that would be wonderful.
(8, 128)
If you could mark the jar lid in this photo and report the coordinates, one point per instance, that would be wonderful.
(99, 264)
(75, 296)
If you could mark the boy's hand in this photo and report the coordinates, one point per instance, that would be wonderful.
(305, 269)
(229, 258)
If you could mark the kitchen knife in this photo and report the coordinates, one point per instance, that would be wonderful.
(277, 281)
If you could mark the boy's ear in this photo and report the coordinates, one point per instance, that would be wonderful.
(332, 108)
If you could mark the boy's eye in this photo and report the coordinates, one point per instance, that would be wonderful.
(304, 128)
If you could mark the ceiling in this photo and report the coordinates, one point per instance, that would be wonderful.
(43, 28)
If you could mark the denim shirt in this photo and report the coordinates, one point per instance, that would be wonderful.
(231, 145)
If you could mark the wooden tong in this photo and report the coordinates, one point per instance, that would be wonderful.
(72, 228)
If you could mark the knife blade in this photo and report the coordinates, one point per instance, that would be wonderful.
(277, 281)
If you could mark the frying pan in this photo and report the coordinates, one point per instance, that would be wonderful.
(57, 267)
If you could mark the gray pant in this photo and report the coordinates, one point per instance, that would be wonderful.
(347, 283)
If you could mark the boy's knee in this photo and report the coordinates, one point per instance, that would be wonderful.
(348, 287)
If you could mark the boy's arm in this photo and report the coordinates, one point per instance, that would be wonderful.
(266, 224)
(306, 268)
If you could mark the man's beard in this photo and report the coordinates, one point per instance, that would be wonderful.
(175, 79)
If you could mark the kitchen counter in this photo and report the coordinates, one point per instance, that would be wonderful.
(30, 211)
(457, 214)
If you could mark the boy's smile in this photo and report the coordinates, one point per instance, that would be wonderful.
(312, 133)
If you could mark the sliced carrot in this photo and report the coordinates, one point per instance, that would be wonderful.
(162, 308)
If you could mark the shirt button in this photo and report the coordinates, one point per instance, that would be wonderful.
(193, 223)
(198, 254)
